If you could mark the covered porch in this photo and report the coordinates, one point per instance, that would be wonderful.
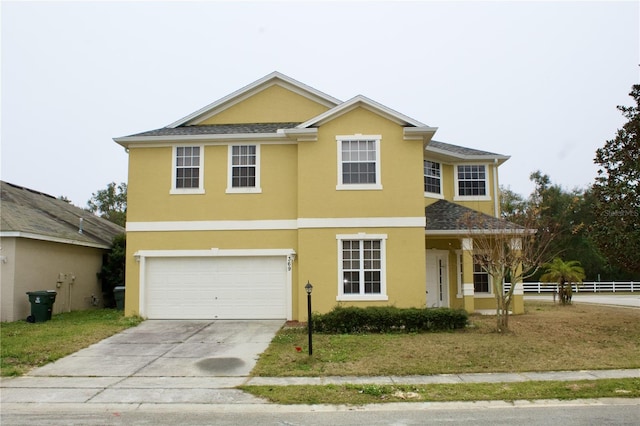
(454, 276)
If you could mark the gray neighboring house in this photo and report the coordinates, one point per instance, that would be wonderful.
(49, 244)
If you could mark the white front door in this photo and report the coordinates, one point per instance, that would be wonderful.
(437, 278)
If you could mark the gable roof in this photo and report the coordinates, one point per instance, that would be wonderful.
(275, 78)
(364, 102)
(447, 218)
(187, 129)
(31, 214)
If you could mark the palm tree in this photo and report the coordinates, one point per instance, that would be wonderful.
(565, 274)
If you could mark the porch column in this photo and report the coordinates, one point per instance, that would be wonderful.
(467, 275)
(517, 305)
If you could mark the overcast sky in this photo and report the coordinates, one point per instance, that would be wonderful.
(539, 81)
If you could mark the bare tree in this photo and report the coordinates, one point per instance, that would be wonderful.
(507, 252)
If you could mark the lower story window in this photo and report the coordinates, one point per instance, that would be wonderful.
(480, 277)
(362, 267)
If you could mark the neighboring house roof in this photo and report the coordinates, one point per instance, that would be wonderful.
(31, 214)
(445, 217)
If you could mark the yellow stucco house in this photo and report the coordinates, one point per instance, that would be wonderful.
(235, 207)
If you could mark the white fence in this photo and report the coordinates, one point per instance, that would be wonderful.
(585, 287)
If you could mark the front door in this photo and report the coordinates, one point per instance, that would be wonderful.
(437, 278)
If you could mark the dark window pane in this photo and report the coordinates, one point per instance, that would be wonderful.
(351, 284)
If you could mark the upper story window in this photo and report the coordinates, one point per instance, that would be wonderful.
(471, 182)
(244, 169)
(187, 170)
(432, 179)
(359, 162)
(361, 261)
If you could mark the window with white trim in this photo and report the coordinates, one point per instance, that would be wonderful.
(432, 178)
(480, 276)
(471, 180)
(359, 162)
(459, 271)
(187, 170)
(361, 260)
(244, 168)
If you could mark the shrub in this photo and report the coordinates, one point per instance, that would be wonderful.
(374, 319)
(113, 269)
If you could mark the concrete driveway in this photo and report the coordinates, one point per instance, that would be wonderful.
(156, 362)
(163, 348)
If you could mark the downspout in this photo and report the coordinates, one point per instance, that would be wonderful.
(496, 202)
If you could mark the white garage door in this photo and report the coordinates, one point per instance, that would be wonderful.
(216, 288)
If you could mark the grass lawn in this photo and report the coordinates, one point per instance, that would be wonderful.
(25, 346)
(371, 394)
(547, 337)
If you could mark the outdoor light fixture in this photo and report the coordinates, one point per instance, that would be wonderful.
(308, 288)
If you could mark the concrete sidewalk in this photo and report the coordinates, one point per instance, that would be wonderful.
(449, 378)
(137, 390)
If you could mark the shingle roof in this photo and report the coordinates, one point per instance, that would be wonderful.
(459, 149)
(219, 129)
(447, 216)
(31, 212)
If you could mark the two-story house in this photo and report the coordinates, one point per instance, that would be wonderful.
(235, 207)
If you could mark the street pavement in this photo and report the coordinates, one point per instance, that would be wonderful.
(191, 363)
(628, 300)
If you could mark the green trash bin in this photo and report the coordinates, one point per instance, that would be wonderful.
(41, 305)
(118, 294)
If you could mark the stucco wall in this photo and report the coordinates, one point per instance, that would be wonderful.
(275, 104)
(318, 263)
(448, 189)
(7, 274)
(149, 187)
(200, 240)
(42, 265)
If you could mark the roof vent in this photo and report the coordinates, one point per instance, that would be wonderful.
(80, 226)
